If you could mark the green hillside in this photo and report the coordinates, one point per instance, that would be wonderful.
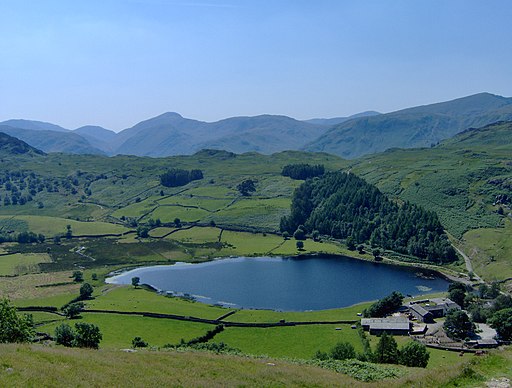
(421, 126)
(460, 180)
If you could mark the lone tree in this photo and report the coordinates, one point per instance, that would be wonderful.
(376, 254)
(86, 291)
(135, 281)
(300, 245)
(73, 310)
(387, 350)
(458, 325)
(246, 187)
(14, 327)
(78, 276)
(414, 354)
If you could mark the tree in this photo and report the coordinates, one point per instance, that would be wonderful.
(360, 249)
(177, 222)
(502, 322)
(14, 327)
(69, 232)
(300, 233)
(73, 310)
(387, 350)
(64, 335)
(246, 187)
(135, 281)
(300, 245)
(86, 291)
(343, 351)
(78, 276)
(143, 231)
(286, 235)
(87, 335)
(414, 354)
(376, 254)
(457, 295)
(351, 244)
(458, 325)
(138, 342)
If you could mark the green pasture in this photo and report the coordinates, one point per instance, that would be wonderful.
(206, 203)
(288, 341)
(197, 235)
(119, 330)
(51, 226)
(160, 232)
(127, 298)
(341, 314)
(22, 263)
(169, 213)
(490, 251)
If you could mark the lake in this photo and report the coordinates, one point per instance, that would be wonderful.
(287, 284)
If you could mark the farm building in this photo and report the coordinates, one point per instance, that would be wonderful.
(391, 325)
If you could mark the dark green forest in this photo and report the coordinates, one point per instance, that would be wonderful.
(344, 206)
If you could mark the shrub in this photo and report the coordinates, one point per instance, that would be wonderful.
(64, 335)
(343, 351)
(87, 335)
(414, 354)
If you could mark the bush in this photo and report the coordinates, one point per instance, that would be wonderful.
(87, 335)
(13, 327)
(343, 351)
(64, 335)
(138, 342)
(414, 354)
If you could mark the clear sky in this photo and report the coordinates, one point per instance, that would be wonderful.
(116, 62)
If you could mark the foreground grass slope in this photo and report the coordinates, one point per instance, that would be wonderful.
(47, 366)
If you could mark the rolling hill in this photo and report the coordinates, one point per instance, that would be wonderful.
(53, 141)
(12, 146)
(420, 126)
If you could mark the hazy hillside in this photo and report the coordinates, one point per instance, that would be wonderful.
(339, 120)
(53, 141)
(33, 125)
(171, 134)
(12, 146)
(414, 127)
(99, 137)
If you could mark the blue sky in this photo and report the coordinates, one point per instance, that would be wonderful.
(116, 62)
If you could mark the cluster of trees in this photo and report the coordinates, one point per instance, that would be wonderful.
(343, 206)
(247, 187)
(487, 305)
(26, 237)
(177, 177)
(14, 327)
(412, 354)
(85, 335)
(302, 171)
(384, 306)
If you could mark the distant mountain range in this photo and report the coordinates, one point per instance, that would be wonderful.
(350, 137)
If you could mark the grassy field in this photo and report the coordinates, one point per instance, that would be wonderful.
(490, 251)
(137, 299)
(289, 342)
(51, 226)
(20, 264)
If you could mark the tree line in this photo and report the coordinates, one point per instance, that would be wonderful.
(177, 177)
(302, 171)
(344, 206)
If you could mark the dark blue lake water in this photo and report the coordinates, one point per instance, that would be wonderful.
(287, 284)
